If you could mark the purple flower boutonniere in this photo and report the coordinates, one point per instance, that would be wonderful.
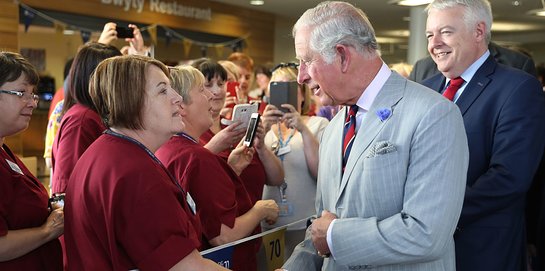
(383, 114)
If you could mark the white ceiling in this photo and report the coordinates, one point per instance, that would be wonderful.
(389, 20)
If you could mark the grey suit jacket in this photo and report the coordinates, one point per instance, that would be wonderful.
(401, 194)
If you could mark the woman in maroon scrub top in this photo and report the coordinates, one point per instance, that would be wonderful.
(28, 231)
(123, 209)
(80, 124)
(265, 167)
(226, 211)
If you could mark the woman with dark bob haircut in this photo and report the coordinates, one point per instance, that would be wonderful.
(123, 209)
(80, 124)
(28, 227)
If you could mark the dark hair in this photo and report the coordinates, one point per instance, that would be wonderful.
(85, 62)
(210, 69)
(264, 70)
(67, 67)
(12, 65)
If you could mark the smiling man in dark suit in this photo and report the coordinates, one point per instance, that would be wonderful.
(504, 112)
(426, 68)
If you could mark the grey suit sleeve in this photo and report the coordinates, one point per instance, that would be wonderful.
(304, 257)
(433, 195)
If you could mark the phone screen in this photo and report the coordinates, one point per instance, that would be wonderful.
(250, 132)
(124, 32)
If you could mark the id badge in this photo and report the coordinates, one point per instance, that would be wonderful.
(286, 208)
(14, 167)
(283, 150)
(191, 204)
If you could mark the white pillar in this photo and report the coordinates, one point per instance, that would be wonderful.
(417, 38)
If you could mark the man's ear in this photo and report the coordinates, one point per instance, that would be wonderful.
(344, 56)
(480, 31)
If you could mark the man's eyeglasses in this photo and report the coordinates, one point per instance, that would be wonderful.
(25, 96)
(285, 65)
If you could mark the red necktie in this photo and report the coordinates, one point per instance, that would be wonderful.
(349, 132)
(454, 85)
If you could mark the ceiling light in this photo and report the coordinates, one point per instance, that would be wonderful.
(257, 2)
(410, 3)
(537, 12)
(540, 11)
(499, 26)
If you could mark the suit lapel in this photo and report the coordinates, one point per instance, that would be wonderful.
(473, 89)
(477, 84)
(371, 125)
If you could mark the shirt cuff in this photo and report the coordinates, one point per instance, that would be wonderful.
(328, 238)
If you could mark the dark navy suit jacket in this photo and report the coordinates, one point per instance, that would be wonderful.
(504, 117)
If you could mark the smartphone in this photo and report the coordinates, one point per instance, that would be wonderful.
(283, 93)
(56, 201)
(124, 32)
(251, 130)
(232, 88)
(243, 112)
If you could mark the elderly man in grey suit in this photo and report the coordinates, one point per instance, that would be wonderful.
(393, 162)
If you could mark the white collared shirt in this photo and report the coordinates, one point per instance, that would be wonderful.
(468, 74)
(370, 93)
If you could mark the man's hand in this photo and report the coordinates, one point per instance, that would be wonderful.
(319, 232)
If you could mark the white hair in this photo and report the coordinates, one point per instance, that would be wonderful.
(333, 23)
(475, 11)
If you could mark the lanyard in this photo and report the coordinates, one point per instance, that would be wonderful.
(137, 143)
(281, 143)
(186, 136)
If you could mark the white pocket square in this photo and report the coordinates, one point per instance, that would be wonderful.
(380, 148)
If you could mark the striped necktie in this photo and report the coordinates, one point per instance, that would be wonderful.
(349, 132)
(453, 86)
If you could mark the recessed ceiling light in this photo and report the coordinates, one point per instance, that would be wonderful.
(540, 11)
(257, 2)
(410, 3)
(537, 12)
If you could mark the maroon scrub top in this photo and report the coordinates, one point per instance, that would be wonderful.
(123, 211)
(253, 177)
(80, 127)
(23, 204)
(218, 191)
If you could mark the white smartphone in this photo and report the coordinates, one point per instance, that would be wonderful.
(242, 114)
(251, 130)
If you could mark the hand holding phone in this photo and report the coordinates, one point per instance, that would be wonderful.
(283, 93)
(251, 130)
(232, 88)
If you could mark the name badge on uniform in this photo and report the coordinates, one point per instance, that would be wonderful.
(14, 167)
(191, 203)
(283, 150)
